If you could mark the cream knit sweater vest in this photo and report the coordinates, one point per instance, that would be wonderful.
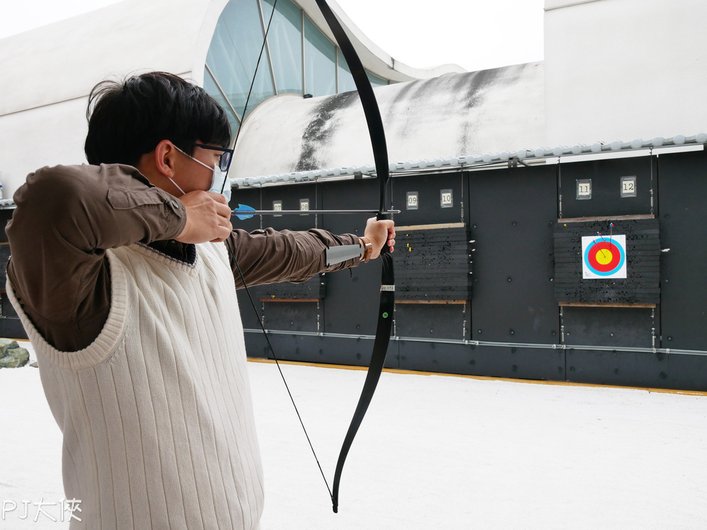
(156, 413)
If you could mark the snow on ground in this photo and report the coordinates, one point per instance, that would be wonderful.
(434, 452)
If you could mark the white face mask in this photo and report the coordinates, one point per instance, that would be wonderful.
(218, 183)
(218, 178)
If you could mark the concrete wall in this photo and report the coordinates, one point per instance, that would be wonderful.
(624, 69)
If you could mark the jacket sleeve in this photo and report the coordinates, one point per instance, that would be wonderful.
(66, 218)
(271, 256)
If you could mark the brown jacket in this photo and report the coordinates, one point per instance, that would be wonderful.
(68, 216)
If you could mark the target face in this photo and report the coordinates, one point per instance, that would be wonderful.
(604, 257)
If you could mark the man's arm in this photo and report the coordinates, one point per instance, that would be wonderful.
(270, 256)
(66, 217)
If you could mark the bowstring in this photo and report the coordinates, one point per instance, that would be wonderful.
(282, 375)
(245, 285)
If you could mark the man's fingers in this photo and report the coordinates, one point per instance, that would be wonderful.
(222, 233)
(223, 209)
(218, 197)
(381, 233)
(208, 217)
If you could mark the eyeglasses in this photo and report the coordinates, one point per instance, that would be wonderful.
(224, 161)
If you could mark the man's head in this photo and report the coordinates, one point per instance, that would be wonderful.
(155, 122)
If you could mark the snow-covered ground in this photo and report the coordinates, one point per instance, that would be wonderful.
(434, 452)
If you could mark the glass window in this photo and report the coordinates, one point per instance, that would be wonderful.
(267, 10)
(213, 90)
(346, 80)
(285, 43)
(375, 80)
(234, 52)
(319, 62)
(235, 46)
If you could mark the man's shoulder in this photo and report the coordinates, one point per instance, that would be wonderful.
(59, 172)
(86, 170)
(79, 180)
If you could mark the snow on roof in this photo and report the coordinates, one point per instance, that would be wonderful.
(453, 121)
(476, 160)
(442, 117)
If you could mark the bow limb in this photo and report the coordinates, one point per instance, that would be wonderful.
(387, 299)
(380, 349)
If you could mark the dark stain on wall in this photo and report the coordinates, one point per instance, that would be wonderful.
(321, 127)
(473, 87)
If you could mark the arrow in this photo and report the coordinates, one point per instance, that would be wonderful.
(243, 212)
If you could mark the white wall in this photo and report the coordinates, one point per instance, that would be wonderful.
(48, 73)
(44, 136)
(624, 69)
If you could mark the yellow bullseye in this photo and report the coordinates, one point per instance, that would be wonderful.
(604, 256)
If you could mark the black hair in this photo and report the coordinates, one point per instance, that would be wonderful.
(129, 119)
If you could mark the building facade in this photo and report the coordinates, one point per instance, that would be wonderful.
(551, 213)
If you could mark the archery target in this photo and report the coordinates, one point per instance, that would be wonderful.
(603, 257)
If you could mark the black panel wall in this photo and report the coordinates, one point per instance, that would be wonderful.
(511, 215)
(351, 305)
(432, 268)
(430, 190)
(273, 302)
(605, 178)
(672, 190)
(683, 221)
(612, 327)
(511, 306)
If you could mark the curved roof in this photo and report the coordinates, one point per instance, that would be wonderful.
(49, 71)
(63, 60)
(455, 114)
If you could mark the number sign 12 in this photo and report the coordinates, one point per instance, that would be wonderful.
(628, 186)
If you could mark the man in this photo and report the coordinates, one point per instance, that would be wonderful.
(122, 272)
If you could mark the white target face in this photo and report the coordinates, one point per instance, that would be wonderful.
(604, 257)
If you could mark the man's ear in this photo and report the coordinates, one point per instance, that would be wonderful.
(164, 158)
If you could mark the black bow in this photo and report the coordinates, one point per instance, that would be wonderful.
(387, 297)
